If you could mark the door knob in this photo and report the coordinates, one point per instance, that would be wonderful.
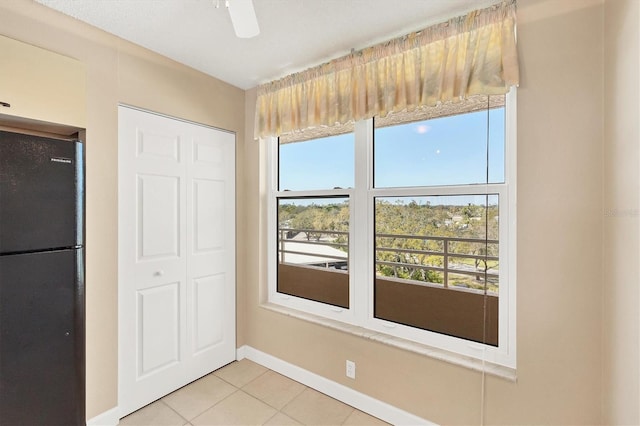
(158, 273)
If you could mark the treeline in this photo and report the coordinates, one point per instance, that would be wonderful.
(468, 221)
(411, 220)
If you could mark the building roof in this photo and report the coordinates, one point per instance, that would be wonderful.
(314, 253)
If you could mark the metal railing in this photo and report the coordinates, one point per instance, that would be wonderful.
(481, 270)
(313, 238)
(406, 259)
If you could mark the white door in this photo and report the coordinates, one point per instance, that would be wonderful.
(176, 247)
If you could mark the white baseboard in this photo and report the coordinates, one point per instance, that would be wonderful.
(241, 352)
(356, 399)
(108, 418)
(362, 402)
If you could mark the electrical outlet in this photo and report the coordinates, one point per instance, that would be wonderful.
(351, 369)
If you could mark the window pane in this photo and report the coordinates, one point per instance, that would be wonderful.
(323, 163)
(449, 150)
(436, 264)
(313, 249)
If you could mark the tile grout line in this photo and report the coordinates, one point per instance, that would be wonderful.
(171, 408)
(237, 387)
(162, 399)
(270, 418)
(217, 403)
(349, 415)
(276, 408)
(290, 402)
(293, 399)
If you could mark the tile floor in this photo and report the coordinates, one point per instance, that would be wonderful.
(245, 393)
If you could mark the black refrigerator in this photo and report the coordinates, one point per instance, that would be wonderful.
(42, 297)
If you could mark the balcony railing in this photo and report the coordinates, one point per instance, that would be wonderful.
(412, 259)
(329, 249)
(313, 248)
(313, 265)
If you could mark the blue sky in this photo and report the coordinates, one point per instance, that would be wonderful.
(443, 151)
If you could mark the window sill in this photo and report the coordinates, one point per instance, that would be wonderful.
(418, 348)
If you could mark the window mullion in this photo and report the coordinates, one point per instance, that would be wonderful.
(361, 221)
(272, 188)
(509, 227)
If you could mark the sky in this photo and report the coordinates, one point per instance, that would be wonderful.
(443, 151)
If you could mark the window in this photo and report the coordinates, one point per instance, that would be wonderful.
(313, 249)
(437, 264)
(315, 180)
(401, 225)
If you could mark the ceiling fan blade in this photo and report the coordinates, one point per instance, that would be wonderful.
(243, 18)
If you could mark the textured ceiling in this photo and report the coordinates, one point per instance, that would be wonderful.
(294, 34)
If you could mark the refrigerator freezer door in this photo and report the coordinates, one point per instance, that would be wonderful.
(42, 339)
(40, 200)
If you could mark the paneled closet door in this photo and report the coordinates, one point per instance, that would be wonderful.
(176, 247)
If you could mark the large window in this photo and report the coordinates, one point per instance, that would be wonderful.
(401, 225)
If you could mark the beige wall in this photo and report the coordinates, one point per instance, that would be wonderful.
(559, 261)
(119, 72)
(563, 188)
(621, 334)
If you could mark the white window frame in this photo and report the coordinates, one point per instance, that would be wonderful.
(361, 248)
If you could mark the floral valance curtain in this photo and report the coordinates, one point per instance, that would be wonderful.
(468, 55)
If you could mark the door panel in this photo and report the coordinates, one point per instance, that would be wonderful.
(207, 154)
(209, 296)
(159, 208)
(208, 201)
(211, 245)
(158, 328)
(155, 146)
(176, 254)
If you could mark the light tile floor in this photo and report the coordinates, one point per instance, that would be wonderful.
(245, 393)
